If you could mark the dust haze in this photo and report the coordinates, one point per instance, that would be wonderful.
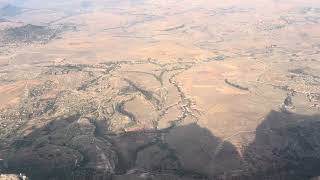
(160, 90)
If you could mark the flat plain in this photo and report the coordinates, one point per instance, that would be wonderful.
(161, 90)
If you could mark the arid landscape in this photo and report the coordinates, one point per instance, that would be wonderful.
(160, 90)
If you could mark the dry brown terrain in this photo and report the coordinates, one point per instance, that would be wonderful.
(161, 90)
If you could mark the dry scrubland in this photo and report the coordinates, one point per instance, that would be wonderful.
(161, 90)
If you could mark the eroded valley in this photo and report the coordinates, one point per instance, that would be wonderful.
(160, 89)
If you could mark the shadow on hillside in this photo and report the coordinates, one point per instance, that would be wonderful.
(287, 146)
